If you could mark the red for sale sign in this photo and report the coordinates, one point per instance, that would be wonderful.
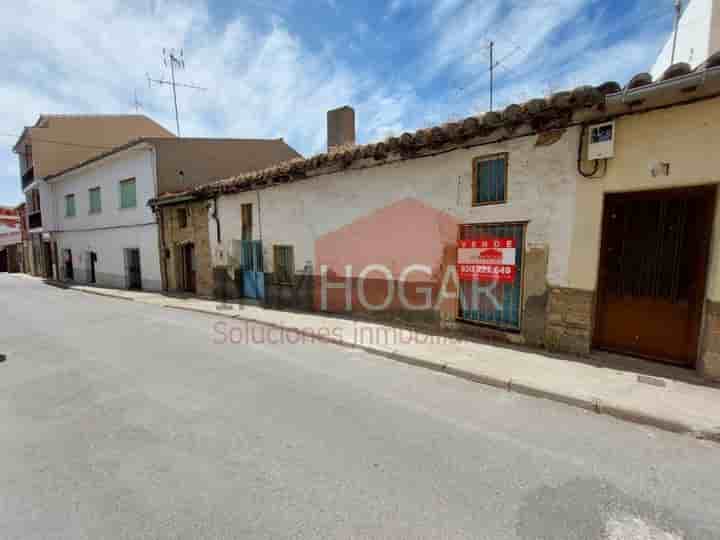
(487, 259)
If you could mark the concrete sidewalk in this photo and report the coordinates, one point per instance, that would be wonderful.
(663, 402)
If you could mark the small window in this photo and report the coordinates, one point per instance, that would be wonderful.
(128, 196)
(490, 179)
(95, 200)
(70, 205)
(246, 221)
(284, 264)
(182, 217)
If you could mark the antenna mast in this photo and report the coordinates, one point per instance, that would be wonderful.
(174, 58)
(493, 65)
(676, 26)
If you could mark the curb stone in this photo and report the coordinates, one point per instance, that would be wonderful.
(107, 295)
(647, 419)
(590, 404)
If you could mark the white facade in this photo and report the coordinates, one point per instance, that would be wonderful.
(698, 34)
(541, 191)
(113, 230)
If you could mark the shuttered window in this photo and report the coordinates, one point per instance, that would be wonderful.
(95, 200)
(128, 196)
(494, 303)
(284, 263)
(69, 205)
(246, 221)
(490, 179)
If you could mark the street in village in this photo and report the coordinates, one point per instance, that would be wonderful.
(129, 420)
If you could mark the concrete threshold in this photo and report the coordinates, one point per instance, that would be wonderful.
(668, 404)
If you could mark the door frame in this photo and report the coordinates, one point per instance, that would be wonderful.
(711, 190)
(188, 273)
(92, 258)
(128, 273)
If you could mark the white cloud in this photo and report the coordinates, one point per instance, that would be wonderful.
(262, 81)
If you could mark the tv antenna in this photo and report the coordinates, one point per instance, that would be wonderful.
(174, 59)
(676, 27)
(495, 64)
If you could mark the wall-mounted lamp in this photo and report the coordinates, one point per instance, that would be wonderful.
(659, 168)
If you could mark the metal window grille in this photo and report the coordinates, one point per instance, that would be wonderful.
(494, 303)
(284, 263)
(251, 256)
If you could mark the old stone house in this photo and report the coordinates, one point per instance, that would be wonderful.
(506, 225)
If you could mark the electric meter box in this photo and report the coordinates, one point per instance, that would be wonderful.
(601, 144)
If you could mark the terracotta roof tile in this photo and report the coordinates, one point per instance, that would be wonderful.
(451, 133)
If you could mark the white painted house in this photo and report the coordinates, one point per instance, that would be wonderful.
(698, 36)
(106, 234)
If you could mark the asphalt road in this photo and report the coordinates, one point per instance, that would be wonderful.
(126, 420)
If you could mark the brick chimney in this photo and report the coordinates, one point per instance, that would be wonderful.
(340, 127)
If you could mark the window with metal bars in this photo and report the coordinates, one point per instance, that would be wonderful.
(284, 264)
(490, 179)
(494, 303)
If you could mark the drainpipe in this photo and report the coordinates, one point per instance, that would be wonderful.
(163, 246)
(216, 218)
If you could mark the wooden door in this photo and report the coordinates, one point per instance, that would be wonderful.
(189, 271)
(653, 266)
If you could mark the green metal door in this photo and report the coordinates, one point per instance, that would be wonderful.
(253, 277)
(494, 302)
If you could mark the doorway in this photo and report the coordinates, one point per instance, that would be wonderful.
(68, 264)
(133, 276)
(47, 261)
(92, 259)
(653, 266)
(188, 268)
(253, 276)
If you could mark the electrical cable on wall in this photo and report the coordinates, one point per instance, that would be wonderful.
(596, 166)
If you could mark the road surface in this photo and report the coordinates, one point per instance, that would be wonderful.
(127, 420)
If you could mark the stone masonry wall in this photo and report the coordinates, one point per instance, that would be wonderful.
(175, 236)
(569, 325)
(709, 362)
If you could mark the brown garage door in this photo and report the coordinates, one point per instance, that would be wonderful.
(652, 272)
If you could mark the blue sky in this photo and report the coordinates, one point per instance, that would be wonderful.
(273, 68)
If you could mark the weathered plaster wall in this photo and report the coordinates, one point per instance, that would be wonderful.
(683, 136)
(541, 190)
(686, 138)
